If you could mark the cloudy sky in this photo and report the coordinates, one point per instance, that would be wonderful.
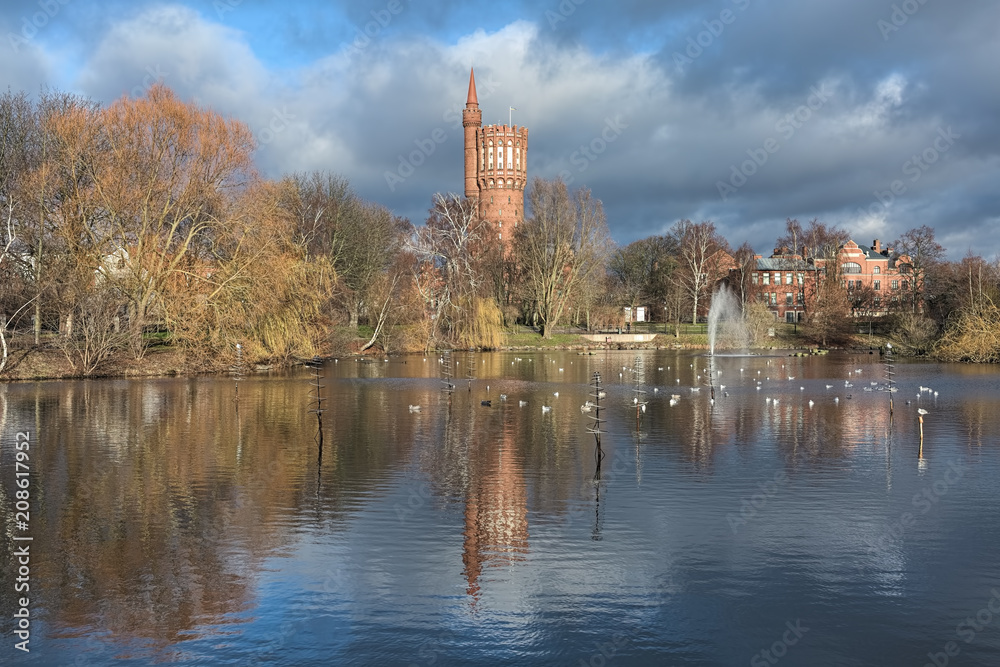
(874, 116)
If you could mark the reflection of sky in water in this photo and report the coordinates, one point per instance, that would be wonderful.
(464, 534)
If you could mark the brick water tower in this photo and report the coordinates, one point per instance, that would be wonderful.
(496, 167)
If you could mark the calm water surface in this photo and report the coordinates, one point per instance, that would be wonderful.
(172, 524)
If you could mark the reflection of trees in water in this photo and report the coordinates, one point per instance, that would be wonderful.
(160, 510)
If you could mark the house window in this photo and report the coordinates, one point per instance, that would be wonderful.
(800, 278)
(788, 298)
(767, 278)
(790, 316)
(850, 267)
(788, 278)
(877, 284)
(877, 301)
(774, 298)
(895, 284)
(777, 278)
(906, 284)
(753, 278)
(877, 269)
(801, 298)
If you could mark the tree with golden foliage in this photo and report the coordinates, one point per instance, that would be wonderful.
(165, 178)
(254, 285)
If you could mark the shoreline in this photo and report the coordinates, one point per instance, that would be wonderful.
(48, 364)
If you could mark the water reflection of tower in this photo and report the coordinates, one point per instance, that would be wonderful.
(496, 508)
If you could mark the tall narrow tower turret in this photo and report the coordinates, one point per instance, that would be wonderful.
(472, 121)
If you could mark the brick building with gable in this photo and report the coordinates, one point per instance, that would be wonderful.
(787, 282)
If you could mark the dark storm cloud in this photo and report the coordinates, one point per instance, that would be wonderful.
(744, 112)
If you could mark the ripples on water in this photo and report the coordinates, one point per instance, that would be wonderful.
(174, 525)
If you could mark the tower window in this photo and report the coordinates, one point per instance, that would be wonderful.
(500, 157)
(519, 158)
(509, 156)
(508, 199)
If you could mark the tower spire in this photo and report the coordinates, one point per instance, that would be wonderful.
(472, 101)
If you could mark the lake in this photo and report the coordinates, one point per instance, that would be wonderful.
(793, 520)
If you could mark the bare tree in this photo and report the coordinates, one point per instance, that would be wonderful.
(918, 254)
(361, 239)
(793, 238)
(448, 274)
(740, 278)
(822, 242)
(865, 303)
(698, 245)
(561, 248)
(641, 270)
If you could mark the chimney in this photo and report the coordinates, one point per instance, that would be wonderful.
(876, 246)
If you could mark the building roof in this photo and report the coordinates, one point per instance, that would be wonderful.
(783, 264)
(870, 252)
(472, 100)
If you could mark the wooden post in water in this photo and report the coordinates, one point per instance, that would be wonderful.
(317, 399)
(238, 369)
(920, 418)
(889, 373)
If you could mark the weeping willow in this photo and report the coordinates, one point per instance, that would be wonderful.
(276, 312)
(974, 335)
(481, 324)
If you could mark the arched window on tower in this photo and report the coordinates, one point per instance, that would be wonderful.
(482, 157)
(490, 162)
(509, 156)
(500, 183)
(510, 183)
(519, 158)
(500, 156)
